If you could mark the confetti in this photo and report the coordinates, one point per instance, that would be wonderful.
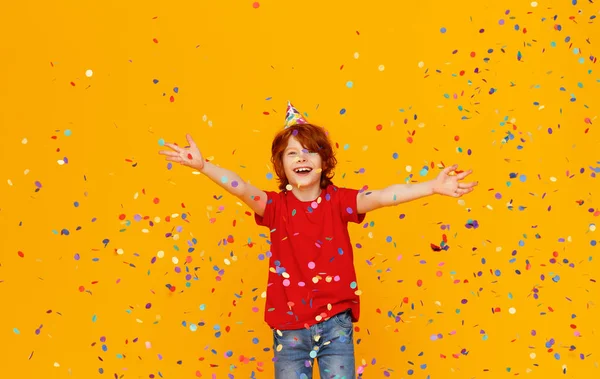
(139, 258)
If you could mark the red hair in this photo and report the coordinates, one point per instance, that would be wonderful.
(311, 137)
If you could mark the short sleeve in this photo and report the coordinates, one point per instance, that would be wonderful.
(348, 205)
(267, 219)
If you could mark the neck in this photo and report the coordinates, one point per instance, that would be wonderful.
(307, 193)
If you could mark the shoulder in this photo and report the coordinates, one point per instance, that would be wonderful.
(275, 196)
(333, 189)
(341, 195)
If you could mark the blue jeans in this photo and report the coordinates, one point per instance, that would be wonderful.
(331, 342)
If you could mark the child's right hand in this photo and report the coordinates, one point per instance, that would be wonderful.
(188, 156)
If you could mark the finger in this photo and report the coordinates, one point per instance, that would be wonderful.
(463, 174)
(449, 169)
(463, 191)
(467, 185)
(175, 158)
(190, 140)
(169, 153)
(173, 146)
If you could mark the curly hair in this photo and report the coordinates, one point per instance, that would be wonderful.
(311, 137)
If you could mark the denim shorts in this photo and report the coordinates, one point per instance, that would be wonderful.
(330, 342)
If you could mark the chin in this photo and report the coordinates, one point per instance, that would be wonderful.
(306, 184)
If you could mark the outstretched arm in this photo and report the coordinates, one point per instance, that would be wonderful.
(253, 197)
(190, 156)
(445, 184)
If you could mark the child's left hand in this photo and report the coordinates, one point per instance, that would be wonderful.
(446, 184)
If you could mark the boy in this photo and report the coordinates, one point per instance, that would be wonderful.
(312, 296)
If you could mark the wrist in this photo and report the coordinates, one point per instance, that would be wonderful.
(431, 187)
(203, 168)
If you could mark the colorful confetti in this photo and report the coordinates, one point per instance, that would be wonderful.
(116, 263)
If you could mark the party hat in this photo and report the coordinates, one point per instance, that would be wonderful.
(293, 117)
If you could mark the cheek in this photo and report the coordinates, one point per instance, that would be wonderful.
(289, 163)
(321, 164)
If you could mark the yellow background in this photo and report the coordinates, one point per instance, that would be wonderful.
(235, 66)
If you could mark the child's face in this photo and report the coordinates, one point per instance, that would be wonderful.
(296, 157)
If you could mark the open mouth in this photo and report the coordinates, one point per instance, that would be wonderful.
(302, 171)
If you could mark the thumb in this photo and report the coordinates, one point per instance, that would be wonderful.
(190, 140)
(449, 169)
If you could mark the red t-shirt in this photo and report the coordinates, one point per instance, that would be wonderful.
(311, 268)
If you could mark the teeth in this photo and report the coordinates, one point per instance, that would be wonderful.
(303, 170)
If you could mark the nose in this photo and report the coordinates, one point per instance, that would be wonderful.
(302, 156)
